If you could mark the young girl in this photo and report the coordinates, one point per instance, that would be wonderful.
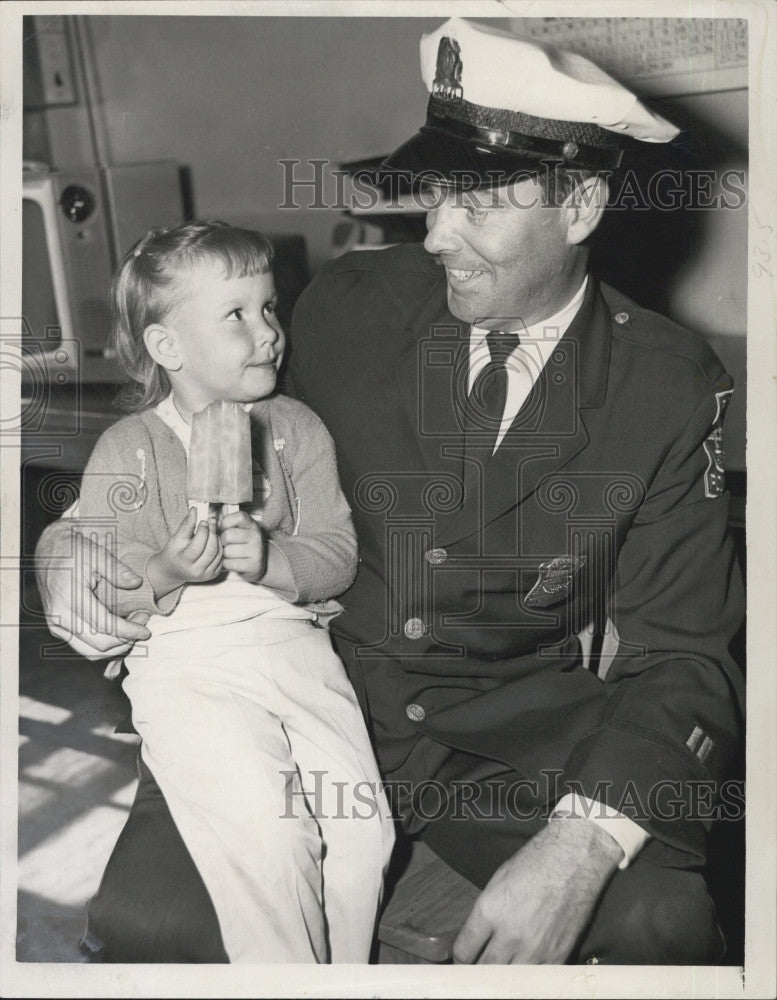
(247, 718)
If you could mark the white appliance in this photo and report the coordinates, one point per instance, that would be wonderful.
(77, 223)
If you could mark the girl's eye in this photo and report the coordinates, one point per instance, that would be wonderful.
(236, 314)
(269, 308)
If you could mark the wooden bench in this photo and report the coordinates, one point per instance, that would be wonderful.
(426, 904)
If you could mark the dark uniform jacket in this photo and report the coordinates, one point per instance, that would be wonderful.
(565, 606)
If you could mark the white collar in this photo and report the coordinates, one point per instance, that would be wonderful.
(559, 321)
(167, 411)
(537, 344)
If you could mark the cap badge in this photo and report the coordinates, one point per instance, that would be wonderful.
(447, 78)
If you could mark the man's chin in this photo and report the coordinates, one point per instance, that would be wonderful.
(461, 306)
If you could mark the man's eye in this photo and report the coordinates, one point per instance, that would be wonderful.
(430, 198)
(475, 214)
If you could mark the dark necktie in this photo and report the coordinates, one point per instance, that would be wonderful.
(489, 392)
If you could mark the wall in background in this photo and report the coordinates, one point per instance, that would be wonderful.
(231, 96)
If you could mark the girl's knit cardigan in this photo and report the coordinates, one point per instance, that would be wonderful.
(133, 497)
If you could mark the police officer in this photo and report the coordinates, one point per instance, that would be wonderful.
(539, 628)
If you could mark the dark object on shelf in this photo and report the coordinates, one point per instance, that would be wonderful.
(291, 273)
(391, 185)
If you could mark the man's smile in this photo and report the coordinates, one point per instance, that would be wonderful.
(459, 276)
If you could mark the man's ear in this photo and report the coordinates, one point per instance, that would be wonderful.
(163, 346)
(585, 206)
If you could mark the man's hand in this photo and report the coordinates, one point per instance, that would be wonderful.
(70, 568)
(538, 903)
(244, 546)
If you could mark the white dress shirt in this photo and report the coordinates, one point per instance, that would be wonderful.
(525, 364)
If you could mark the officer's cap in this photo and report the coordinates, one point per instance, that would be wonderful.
(500, 104)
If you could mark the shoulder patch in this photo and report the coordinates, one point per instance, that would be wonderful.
(714, 476)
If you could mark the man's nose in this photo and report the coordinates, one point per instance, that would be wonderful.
(441, 234)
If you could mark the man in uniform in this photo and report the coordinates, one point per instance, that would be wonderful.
(539, 628)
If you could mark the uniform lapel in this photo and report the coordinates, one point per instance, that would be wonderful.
(431, 376)
(550, 428)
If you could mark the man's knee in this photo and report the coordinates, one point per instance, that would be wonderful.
(654, 916)
(152, 905)
(129, 930)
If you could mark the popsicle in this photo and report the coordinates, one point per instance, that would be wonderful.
(219, 468)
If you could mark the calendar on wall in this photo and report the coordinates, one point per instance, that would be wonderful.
(657, 55)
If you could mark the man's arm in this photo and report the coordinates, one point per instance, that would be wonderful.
(672, 718)
(674, 714)
(78, 580)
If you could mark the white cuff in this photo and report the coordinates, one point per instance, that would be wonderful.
(629, 836)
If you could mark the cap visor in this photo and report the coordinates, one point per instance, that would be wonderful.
(439, 157)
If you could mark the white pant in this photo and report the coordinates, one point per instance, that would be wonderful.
(261, 752)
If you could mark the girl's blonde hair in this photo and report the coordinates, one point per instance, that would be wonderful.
(144, 290)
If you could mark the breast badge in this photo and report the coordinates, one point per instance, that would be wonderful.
(554, 582)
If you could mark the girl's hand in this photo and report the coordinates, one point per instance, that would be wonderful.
(192, 555)
(244, 546)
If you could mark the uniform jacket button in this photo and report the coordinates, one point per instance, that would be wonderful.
(414, 628)
(415, 712)
(436, 556)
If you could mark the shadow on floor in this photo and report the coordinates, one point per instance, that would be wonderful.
(76, 783)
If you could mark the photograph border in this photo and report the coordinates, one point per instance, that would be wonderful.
(758, 977)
